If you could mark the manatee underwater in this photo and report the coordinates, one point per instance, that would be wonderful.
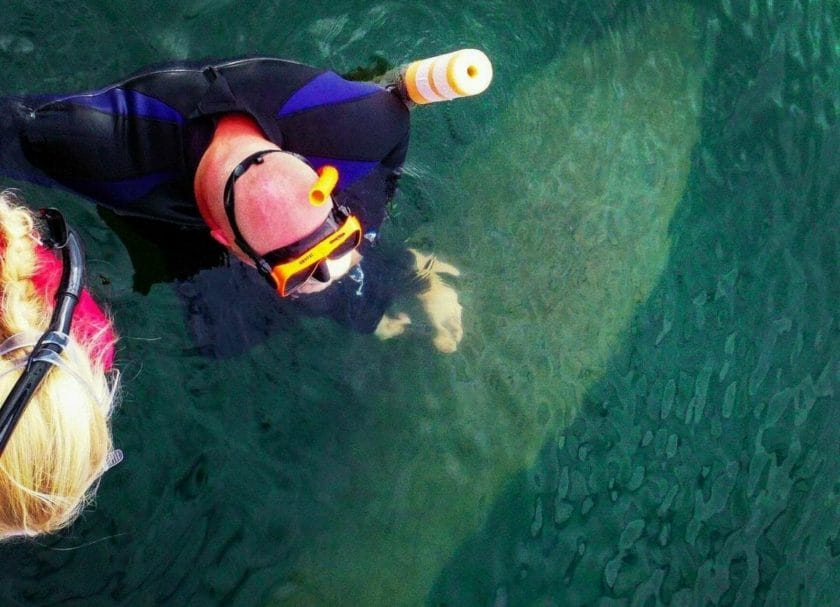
(316, 465)
(559, 221)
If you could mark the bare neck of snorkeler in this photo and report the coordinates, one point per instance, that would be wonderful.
(236, 137)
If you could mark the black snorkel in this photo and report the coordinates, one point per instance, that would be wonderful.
(52, 343)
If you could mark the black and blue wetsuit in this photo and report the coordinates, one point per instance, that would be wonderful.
(134, 146)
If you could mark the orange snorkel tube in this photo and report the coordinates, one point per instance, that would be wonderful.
(324, 186)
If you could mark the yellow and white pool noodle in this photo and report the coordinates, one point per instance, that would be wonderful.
(461, 73)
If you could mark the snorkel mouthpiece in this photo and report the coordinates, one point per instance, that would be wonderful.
(327, 180)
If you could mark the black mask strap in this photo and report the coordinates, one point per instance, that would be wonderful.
(256, 158)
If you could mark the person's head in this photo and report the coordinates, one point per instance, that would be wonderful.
(62, 442)
(265, 190)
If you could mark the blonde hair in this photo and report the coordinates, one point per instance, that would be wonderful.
(61, 444)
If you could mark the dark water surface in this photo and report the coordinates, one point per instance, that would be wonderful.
(645, 207)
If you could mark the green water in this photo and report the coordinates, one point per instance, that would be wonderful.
(645, 207)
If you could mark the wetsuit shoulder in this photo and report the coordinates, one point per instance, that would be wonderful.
(319, 114)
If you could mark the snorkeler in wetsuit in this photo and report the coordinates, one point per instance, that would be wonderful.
(236, 147)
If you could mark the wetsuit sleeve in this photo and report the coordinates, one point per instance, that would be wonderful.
(124, 146)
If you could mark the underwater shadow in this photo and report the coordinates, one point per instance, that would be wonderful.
(694, 470)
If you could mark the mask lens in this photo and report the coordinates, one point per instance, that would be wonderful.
(322, 272)
(294, 281)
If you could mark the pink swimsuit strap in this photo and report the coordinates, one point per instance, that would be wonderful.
(88, 318)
